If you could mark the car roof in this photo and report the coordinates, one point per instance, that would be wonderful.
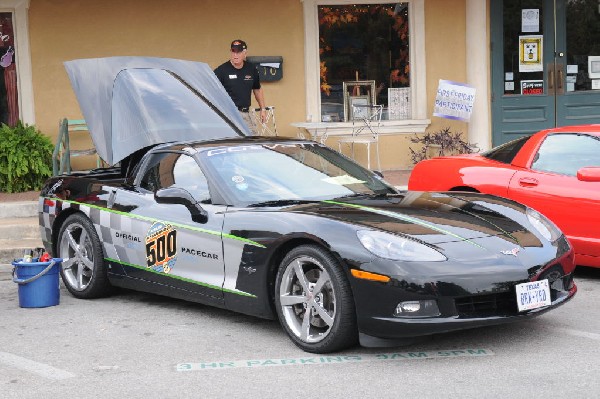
(591, 128)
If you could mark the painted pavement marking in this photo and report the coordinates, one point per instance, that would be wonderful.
(582, 334)
(394, 356)
(40, 369)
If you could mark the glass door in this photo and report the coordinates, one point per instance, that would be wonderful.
(578, 61)
(543, 63)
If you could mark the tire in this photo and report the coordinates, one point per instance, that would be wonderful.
(309, 278)
(83, 272)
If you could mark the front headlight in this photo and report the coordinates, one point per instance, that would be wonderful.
(394, 247)
(543, 225)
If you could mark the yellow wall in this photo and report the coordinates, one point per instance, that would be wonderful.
(62, 30)
(445, 45)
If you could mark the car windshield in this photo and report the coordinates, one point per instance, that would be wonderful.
(289, 172)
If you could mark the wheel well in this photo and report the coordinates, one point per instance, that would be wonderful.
(464, 188)
(276, 259)
(58, 222)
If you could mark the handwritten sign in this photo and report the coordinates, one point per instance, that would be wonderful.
(454, 100)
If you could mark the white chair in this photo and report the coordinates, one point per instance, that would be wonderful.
(366, 121)
(269, 128)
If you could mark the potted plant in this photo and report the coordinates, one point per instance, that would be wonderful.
(25, 158)
(440, 143)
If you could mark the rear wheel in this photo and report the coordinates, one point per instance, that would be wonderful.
(82, 269)
(314, 301)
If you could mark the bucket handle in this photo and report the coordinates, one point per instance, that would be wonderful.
(29, 280)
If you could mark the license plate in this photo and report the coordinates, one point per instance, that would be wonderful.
(533, 295)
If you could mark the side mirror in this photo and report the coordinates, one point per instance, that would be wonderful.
(589, 173)
(180, 196)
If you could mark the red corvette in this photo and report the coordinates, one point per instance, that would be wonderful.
(555, 171)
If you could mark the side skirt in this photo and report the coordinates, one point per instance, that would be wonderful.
(165, 290)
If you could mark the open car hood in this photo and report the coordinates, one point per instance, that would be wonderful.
(130, 103)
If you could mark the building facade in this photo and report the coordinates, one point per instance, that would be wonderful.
(317, 57)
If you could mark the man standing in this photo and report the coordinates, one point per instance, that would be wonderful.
(240, 78)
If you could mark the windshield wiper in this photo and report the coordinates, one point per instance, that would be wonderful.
(281, 202)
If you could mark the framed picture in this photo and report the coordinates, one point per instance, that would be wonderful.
(359, 107)
(361, 89)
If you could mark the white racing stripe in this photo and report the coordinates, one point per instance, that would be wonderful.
(578, 333)
(31, 366)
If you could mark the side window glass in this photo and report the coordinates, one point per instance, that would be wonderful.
(150, 180)
(176, 170)
(188, 175)
(565, 154)
(505, 153)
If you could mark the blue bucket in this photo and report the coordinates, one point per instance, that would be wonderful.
(38, 282)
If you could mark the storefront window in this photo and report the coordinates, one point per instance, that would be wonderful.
(9, 102)
(366, 43)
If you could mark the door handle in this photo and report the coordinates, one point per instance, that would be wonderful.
(560, 79)
(528, 182)
(551, 79)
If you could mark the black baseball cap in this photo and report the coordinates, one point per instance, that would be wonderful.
(238, 45)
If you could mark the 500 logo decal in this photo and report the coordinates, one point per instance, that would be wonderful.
(161, 247)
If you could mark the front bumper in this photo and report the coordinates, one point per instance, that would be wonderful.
(378, 326)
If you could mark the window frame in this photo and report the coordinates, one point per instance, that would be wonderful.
(418, 97)
(20, 8)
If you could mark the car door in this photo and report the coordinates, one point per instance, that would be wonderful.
(551, 186)
(174, 250)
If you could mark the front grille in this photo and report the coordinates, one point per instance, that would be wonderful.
(505, 303)
(501, 304)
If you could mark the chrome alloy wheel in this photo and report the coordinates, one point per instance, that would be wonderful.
(307, 299)
(76, 247)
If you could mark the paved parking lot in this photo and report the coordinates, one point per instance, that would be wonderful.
(138, 345)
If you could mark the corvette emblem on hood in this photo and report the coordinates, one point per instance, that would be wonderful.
(512, 252)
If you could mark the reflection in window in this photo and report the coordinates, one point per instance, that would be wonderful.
(508, 151)
(312, 172)
(583, 40)
(176, 170)
(364, 42)
(565, 154)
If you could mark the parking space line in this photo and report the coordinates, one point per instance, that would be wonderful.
(394, 356)
(40, 369)
(583, 334)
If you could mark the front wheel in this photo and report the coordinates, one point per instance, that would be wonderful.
(314, 301)
(82, 269)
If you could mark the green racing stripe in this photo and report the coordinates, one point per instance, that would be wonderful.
(180, 225)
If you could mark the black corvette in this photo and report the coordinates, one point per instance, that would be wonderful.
(283, 228)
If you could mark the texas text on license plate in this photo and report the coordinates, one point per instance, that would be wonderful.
(533, 295)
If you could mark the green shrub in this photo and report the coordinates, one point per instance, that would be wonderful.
(25, 158)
